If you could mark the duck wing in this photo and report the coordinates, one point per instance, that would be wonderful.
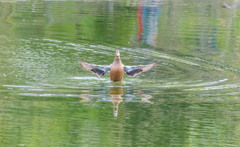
(99, 70)
(136, 70)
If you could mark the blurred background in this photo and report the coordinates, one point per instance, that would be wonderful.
(191, 98)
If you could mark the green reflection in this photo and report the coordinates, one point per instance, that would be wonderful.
(190, 99)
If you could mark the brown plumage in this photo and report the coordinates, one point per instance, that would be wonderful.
(116, 68)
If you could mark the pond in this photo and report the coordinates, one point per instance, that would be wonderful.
(191, 98)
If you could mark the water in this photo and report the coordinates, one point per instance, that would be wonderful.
(191, 98)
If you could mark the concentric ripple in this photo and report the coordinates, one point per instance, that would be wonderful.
(45, 65)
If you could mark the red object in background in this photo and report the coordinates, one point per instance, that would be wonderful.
(140, 25)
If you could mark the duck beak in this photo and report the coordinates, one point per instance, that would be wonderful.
(117, 53)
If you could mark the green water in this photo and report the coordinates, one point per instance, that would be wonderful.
(191, 98)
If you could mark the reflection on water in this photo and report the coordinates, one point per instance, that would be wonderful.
(148, 14)
(191, 98)
(116, 98)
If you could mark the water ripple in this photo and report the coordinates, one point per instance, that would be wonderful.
(186, 73)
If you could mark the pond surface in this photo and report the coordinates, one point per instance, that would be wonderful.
(191, 98)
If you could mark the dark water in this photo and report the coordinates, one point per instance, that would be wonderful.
(191, 98)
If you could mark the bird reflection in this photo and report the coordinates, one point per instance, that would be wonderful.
(116, 94)
(116, 98)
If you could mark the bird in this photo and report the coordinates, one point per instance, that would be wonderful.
(116, 69)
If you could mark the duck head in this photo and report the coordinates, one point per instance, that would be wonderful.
(117, 54)
(117, 57)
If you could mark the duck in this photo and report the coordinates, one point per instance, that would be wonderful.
(117, 68)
